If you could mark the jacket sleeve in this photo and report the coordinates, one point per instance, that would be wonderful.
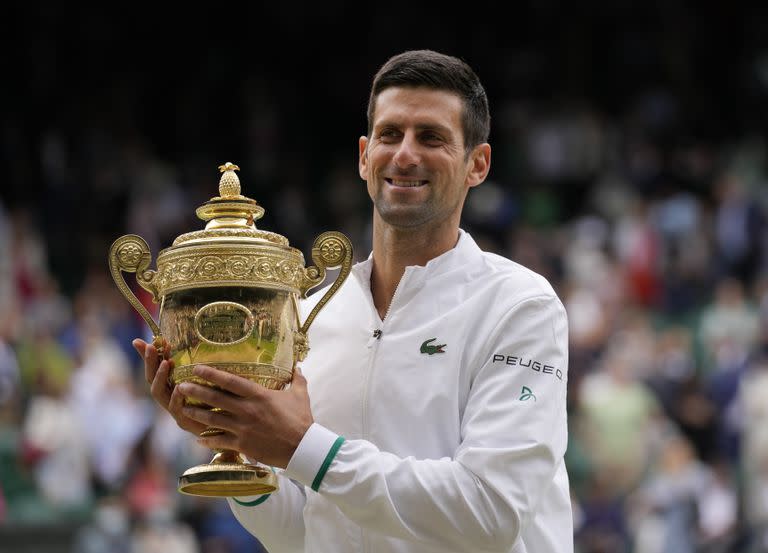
(514, 437)
(275, 519)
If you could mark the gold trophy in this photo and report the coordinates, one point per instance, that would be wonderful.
(228, 298)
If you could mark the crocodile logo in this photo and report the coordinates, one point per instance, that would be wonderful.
(429, 349)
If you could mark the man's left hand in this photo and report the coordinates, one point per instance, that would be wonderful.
(265, 425)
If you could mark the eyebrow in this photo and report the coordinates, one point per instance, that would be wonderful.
(420, 127)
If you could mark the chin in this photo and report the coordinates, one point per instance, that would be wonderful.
(404, 216)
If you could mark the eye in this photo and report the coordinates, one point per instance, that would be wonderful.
(388, 135)
(431, 138)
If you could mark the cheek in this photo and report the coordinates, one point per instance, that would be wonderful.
(373, 165)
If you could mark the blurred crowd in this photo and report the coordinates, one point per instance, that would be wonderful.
(663, 269)
(655, 236)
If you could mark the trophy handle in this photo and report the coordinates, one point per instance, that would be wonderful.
(131, 253)
(331, 249)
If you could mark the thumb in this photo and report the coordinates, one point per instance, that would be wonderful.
(298, 381)
(139, 345)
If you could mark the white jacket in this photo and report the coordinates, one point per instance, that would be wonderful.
(441, 428)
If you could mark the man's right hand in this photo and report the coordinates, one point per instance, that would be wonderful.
(157, 372)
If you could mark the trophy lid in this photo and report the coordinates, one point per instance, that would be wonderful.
(230, 251)
(230, 216)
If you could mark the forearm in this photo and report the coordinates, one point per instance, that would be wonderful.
(442, 502)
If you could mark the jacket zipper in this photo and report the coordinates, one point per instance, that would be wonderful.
(373, 343)
(379, 331)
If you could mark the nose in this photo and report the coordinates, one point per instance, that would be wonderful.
(407, 152)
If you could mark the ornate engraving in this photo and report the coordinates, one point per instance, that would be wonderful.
(189, 269)
(246, 233)
(129, 254)
(269, 376)
(300, 346)
(332, 251)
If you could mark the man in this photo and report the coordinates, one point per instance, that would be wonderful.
(432, 417)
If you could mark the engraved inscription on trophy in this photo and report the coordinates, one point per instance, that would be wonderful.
(223, 323)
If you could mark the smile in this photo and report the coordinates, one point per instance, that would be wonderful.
(406, 183)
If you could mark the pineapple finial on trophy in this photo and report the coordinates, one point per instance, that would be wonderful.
(229, 184)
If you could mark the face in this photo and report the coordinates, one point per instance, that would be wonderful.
(414, 162)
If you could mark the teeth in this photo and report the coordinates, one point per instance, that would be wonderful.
(406, 183)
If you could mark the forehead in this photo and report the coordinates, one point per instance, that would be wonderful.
(418, 107)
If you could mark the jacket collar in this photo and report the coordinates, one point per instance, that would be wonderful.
(465, 255)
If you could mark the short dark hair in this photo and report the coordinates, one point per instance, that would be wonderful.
(438, 71)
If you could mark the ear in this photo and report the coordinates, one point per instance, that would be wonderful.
(479, 164)
(362, 164)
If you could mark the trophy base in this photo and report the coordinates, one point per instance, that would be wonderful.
(228, 479)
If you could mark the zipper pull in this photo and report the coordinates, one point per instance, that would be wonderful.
(376, 335)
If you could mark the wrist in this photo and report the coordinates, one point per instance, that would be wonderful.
(313, 456)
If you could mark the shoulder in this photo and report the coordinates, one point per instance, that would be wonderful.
(514, 281)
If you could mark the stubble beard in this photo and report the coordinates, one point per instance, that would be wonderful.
(406, 216)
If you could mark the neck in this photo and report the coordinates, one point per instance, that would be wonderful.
(394, 249)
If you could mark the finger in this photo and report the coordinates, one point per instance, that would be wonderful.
(209, 418)
(210, 396)
(150, 362)
(219, 442)
(230, 382)
(139, 345)
(176, 407)
(298, 381)
(159, 387)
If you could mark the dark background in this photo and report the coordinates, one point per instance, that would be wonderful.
(281, 90)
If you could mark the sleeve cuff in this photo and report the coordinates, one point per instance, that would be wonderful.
(314, 455)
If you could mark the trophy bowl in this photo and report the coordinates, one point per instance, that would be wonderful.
(229, 298)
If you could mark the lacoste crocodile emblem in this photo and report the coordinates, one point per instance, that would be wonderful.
(429, 349)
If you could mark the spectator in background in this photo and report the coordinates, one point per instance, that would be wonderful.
(683, 505)
(57, 448)
(108, 532)
(729, 326)
(740, 229)
(753, 391)
(618, 420)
